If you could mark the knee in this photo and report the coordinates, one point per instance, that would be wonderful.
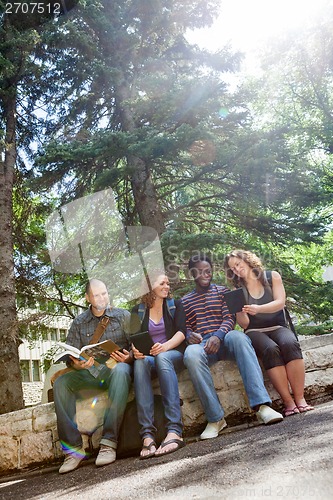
(271, 357)
(194, 355)
(62, 383)
(141, 366)
(236, 339)
(122, 370)
(291, 350)
(163, 360)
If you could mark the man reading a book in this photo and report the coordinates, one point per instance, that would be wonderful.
(87, 374)
(210, 335)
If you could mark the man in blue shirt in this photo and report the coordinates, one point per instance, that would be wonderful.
(85, 375)
(211, 337)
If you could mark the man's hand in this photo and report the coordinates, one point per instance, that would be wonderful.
(194, 338)
(213, 344)
(82, 364)
(121, 356)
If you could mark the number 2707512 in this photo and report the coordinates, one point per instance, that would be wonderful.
(32, 8)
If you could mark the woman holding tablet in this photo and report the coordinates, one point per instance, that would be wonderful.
(263, 320)
(164, 319)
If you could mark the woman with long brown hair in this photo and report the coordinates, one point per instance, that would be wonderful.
(167, 328)
(263, 320)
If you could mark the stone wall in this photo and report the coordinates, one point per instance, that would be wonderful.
(30, 437)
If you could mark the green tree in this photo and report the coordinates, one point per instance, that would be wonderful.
(136, 100)
(17, 41)
(14, 48)
(136, 108)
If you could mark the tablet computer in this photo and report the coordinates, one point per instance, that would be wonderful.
(235, 300)
(143, 342)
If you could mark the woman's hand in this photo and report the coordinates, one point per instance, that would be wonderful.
(137, 354)
(251, 309)
(170, 344)
(157, 349)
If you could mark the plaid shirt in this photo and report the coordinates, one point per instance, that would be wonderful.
(84, 325)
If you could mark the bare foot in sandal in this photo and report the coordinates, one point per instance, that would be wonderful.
(171, 443)
(148, 448)
(303, 406)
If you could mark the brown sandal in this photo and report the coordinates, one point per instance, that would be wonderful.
(148, 447)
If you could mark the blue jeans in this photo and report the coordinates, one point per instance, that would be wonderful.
(164, 365)
(67, 389)
(236, 346)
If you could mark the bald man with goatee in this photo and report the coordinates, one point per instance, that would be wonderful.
(86, 375)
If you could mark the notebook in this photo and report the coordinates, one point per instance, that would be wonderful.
(143, 342)
(235, 300)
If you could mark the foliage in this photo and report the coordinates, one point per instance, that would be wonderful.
(121, 93)
(315, 329)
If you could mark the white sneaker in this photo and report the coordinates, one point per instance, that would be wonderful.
(267, 415)
(106, 455)
(72, 461)
(213, 429)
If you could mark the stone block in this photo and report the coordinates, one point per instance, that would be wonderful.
(193, 417)
(5, 427)
(313, 342)
(36, 448)
(318, 383)
(9, 447)
(318, 358)
(21, 427)
(44, 417)
(16, 423)
(186, 389)
(226, 375)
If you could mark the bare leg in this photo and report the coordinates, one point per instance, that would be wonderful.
(296, 376)
(279, 379)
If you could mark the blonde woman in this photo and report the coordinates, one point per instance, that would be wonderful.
(263, 320)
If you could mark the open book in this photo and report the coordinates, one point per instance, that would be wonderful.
(100, 352)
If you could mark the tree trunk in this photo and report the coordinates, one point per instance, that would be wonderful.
(145, 196)
(11, 395)
(146, 201)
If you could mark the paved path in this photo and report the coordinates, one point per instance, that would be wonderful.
(292, 459)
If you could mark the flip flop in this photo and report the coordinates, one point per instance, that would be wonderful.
(291, 411)
(304, 408)
(179, 442)
(148, 447)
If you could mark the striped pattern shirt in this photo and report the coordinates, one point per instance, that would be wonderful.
(207, 312)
